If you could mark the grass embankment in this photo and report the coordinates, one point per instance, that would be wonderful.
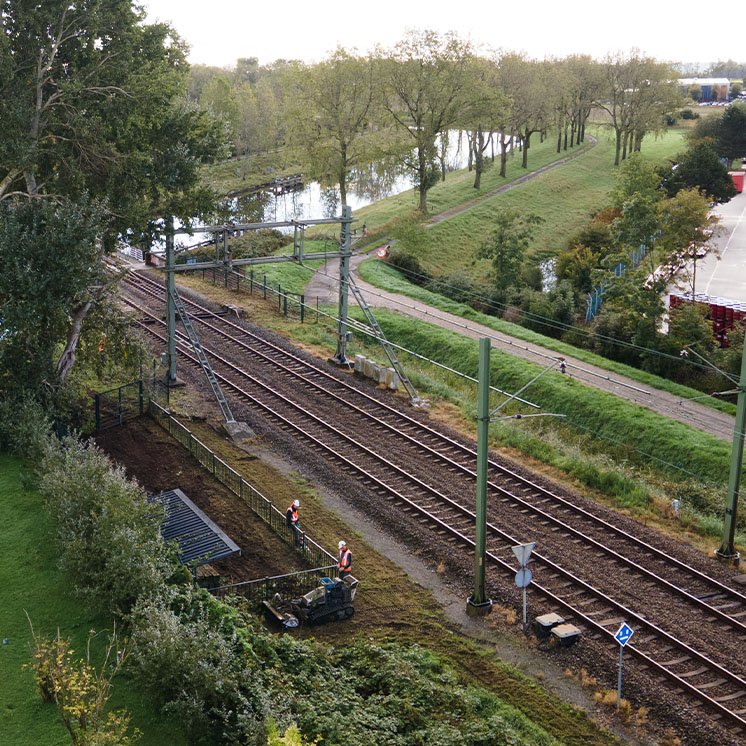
(32, 585)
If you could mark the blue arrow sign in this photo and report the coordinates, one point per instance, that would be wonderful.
(624, 634)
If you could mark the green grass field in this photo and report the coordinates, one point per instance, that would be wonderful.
(33, 588)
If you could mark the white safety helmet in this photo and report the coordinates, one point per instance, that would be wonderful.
(342, 543)
(296, 503)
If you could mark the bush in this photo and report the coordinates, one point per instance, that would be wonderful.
(409, 265)
(108, 533)
(202, 667)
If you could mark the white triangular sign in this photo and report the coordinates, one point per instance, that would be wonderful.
(522, 552)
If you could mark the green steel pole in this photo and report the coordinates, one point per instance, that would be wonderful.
(479, 597)
(727, 551)
(340, 356)
(170, 305)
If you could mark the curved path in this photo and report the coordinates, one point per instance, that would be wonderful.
(324, 286)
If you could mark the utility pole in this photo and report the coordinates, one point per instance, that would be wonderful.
(340, 357)
(478, 601)
(170, 305)
(727, 550)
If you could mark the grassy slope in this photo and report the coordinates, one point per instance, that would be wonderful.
(33, 585)
(565, 197)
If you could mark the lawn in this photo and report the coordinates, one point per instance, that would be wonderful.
(33, 588)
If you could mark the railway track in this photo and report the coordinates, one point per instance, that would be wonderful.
(690, 626)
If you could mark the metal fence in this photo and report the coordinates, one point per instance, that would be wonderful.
(289, 586)
(292, 305)
(115, 406)
(313, 553)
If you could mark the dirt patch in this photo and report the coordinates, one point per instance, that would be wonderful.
(157, 462)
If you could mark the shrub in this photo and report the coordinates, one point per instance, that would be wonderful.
(108, 533)
(201, 666)
(81, 692)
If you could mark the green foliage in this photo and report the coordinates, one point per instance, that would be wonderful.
(387, 695)
(409, 234)
(108, 533)
(50, 256)
(81, 691)
(700, 168)
(203, 666)
(506, 247)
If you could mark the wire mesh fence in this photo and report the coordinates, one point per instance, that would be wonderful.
(290, 304)
(313, 553)
(115, 406)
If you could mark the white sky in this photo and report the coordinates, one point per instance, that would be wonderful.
(221, 31)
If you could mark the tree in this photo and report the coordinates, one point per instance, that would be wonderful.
(731, 133)
(638, 91)
(50, 253)
(90, 104)
(328, 112)
(525, 82)
(686, 227)
(700, 168)
(506, 247)
(423, 90)
(486, 114)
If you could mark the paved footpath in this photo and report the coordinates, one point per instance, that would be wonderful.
(325, 286)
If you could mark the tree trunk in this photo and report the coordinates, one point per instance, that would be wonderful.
(618, 148)
(526, 145)
(67, 359)
(479, 147)
(424, 179)
(503, 155)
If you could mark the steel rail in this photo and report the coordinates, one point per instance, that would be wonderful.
(631, 616)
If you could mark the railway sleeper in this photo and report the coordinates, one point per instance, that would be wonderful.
(676, 661)
(693, 672)
(711, 684)
(730, 697)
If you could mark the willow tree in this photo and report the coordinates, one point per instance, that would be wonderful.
(424, 83)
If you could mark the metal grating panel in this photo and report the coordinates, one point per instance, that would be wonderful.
(200, 540)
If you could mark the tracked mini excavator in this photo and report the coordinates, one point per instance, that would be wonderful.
(329, 602)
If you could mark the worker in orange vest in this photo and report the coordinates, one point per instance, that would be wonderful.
(344, 566)
(291, 520)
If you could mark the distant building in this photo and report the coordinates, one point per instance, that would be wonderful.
(712, 89)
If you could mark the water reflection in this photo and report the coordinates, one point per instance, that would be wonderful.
(368, 184)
